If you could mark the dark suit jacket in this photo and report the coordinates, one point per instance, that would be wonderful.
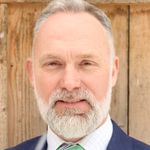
(119, 141)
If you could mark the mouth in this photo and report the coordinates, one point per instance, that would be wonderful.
(72, 104)
(71, 100)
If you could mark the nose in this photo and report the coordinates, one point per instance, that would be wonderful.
(70, 79)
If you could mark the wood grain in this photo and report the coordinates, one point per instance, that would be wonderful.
(18, 111)
(91, 1)
(24, 119)
(139, 112)
(3, 77)
(20, 41)
(119, 19)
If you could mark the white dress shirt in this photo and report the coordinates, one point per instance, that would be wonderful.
(97, 140)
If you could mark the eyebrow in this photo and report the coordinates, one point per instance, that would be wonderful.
(52, 56)
(49, 56)
(85, 56)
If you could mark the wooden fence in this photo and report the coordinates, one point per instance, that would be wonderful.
(19, 117)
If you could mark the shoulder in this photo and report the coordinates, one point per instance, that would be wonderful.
(28, 145)
(138, 145)
(122, 141)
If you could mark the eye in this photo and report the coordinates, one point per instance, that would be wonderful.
(86, 63)
(52, 64)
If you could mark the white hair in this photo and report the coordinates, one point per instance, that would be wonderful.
(67, 123)
(76, 6)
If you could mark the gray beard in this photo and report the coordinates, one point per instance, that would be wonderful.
(69, 124)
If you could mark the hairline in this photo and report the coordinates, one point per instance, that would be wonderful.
(43, 18)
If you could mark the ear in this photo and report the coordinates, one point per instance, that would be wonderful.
(115, 70)
(29, 69)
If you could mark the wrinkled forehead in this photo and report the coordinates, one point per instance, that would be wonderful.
(73, 29)
(61, 22)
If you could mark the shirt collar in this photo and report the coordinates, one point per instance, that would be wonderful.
(53, 140)
(98, 139)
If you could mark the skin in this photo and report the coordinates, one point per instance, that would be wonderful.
(72, 52)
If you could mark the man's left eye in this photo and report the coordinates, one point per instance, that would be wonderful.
(86, 63)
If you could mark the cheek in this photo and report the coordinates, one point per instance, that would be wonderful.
(98, 85)
(45, 85)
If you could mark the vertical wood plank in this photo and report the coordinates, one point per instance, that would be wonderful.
(119, 18)
(140, 73)
(91, 1)
(3, 77)
(24, 119)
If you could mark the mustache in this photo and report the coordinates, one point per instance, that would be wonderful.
(74, 96)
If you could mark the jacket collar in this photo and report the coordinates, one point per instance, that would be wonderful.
(119, 139)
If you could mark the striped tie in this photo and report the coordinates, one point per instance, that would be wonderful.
(65, 146)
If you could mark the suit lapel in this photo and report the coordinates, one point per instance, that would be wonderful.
(119, 140)
(41, 143)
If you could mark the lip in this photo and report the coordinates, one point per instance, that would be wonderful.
(71, 103)
(71, 100)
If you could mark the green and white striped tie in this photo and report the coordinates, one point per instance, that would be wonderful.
(65, 146)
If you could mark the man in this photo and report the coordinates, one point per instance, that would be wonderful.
(73, 69)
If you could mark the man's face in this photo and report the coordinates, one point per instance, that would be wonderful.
(72, 53)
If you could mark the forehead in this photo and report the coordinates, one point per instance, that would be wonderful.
(61, 22)
(73, 31)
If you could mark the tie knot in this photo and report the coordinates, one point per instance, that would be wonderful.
(68, 146)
